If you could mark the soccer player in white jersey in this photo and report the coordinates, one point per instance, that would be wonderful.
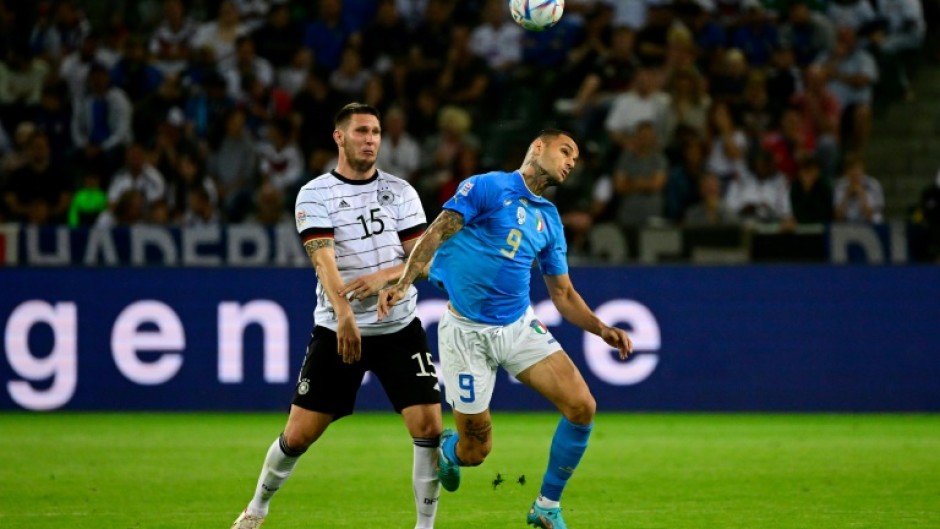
(486, 240)
(358, 225)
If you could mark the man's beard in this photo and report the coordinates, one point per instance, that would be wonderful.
(358, 164)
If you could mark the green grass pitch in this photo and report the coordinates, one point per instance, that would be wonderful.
(174, 471)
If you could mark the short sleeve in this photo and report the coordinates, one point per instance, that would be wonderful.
(474, 198)
(313, 219)
(553, 259)
(411, 219)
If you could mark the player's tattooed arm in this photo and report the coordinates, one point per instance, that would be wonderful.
(313, 245)
(444, 227)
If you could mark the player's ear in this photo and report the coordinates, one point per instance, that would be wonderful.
(338, 136)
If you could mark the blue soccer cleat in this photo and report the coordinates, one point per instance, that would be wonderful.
(545, 518)
(448, 472)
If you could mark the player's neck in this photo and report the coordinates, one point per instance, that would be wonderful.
(535, 178)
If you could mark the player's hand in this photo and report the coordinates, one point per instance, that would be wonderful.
(619, 340)
(364, 286)
(389, 297)
(348, 339)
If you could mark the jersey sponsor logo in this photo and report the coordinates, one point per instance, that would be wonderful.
(385, 197)
(538, 327)
(465, 189)
(343, 203)
(520, 215)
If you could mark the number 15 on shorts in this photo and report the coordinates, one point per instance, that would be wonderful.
(467, 393)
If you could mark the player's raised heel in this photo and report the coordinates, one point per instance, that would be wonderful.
(248, 521)
(448, 472)
(545, 518)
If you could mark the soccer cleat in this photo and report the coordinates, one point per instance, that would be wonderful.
(248, 521)
(545, 518)
(448, 472)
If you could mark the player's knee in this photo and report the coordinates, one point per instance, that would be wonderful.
(298, 441)
(581, 410)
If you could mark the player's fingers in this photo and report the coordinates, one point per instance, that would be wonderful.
(382, 310)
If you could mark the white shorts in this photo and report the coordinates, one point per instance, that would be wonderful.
(470, 352)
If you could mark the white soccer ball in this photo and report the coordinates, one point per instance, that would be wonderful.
(536, 15)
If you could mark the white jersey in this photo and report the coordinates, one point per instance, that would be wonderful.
(368, 221)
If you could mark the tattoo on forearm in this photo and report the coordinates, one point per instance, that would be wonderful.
(315, 244)
(479, 430)
(444, 227)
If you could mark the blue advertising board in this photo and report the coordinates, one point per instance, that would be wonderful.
(755, 338)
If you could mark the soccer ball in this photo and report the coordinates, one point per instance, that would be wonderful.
(536, 15)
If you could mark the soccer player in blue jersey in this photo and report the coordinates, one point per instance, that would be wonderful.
(483, 245)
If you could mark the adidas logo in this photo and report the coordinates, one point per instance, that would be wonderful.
(343, 204)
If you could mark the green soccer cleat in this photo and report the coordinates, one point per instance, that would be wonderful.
(248, 521)
(448, 472)
(545, 518)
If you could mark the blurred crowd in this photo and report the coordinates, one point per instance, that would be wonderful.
(689, 112)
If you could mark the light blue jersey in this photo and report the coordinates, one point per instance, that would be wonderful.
(487, 266)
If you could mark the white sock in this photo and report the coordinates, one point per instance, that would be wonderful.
(546, 503)
(277, 468)
(427, 488)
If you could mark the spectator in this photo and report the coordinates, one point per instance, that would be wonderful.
(153, 110)
(651, 39)
(611, 75)
(21, 82)
(928, 211)
(806, 33)
(431, 39)
(252, 13)
(762, 196)
(440, 152)
(857, 196)
(412, 11)
(190, 174)
(755, 35)
(327, 36)
(89, 201)
(643, 103)
(172, 41)
(385, 39)
(855, 14)
(350, 79)
(130, 208)
(497, 39)
(291, 77)
(681, 191)
(711, 210)
(792, 142)
(269, 209)
(465, 77)
(54, 118)
(593, 46)
(810, 194)
(898, 41)
(199, 210)
(44, 40)
(205, 108)
(851, 72)
(688, 105)
(709, 35)
(76, 67)
(140, 175)
(40, 191)
(19, 152)
(755, 112)
(783, 79)
(243, 64)
(279, 160)
(820, 111)
(232, 166)
(278, 38)
(639, 178)
(727, 156)
(728, 83)
(400, 154)
(71, 26)
(316, 99)
(221, 35)
(134, 74)
(101, 124)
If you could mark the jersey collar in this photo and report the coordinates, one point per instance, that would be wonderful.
(525, 186)
(345, 180)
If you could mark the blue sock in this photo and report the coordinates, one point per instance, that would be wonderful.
(450, 450)
(568, 445)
